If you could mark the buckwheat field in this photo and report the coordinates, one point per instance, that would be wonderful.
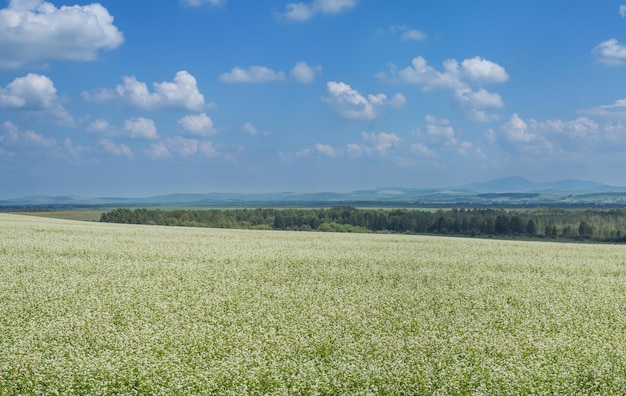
(91, 308)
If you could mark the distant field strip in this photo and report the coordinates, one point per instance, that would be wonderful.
(94, 308)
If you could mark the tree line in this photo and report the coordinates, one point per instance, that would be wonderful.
(595, 224)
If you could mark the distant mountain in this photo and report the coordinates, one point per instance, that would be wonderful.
(520, 184)
(505, 191)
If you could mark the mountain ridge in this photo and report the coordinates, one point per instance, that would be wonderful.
(514, 189)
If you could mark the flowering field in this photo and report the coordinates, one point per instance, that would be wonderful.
(92, 308)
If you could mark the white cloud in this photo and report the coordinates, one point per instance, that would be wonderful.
(141, 128)
(517, 130)
(37, 31)
(33, 91)
(525, 136)
(421, 149)
(299, 12)
(253, 74)
(35, 94)
(357, 150)
(615, 110)
(374, 143)
(102, 127)
(249, 129)
(72, 150)
(99, 126)
(304, 73)
(326, 150)
(610, 52)
(118, 150)
(381, 142)
(181, 94)
(349, 103)
(182, 147)
(199, 3)
(413, 35)
(622, 10)
(582, 127)
(197, 124)
(301, 72)
(483, 71)
(556, 136)
(207, 149)
(406, 33)
(305, 152)
(473, 103)
(158, 151)
(454, 74)
(439, 127)
(398, 101)
(12, 136)
(458, 77)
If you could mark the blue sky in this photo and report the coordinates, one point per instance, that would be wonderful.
(138, 98)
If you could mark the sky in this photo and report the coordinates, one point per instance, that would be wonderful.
(140, 98)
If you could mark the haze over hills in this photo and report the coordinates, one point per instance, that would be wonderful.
(510, 190)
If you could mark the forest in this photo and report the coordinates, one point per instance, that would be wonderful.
(605, 225)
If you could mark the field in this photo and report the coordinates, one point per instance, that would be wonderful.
(91, 308)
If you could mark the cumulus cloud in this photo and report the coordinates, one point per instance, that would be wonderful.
(474, 103)
(253, 74)
(102, 127)
(524, 135)
(35, 95)
(610, 53)
(251, 130)
(37, 31)
(326, 150)
(398, 101)
(439, 127)
(304, 73)
(579, 128)
(405, 32)
(158, 151)
(141, 128)
(441, 130)
(197, 124)
(483, 71)
(185, 147)
(622, 10)
(300, 12)
(301, 72)
(560, 137)
(454, 74)
(374, 143)
(459, 77)
(182, 147)
(180, 94)
(517, 130)
(349, 103)
(118, 150)
(615, 110)
(13, 136)
(413, 35)
(381, 142)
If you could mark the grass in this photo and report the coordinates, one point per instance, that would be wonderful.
(81, 215)
(91, 308)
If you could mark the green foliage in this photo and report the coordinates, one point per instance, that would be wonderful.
(607, 225)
